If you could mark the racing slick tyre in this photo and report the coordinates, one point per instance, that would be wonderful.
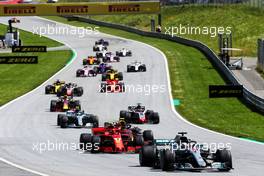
(64, 122)
(147, 155)
(154, 118)
(128, 68)
(167, 159)
(139, 140)
(85, 140)
(60, 116)
(122, 115)
(142, 69)
(104, 76)
(148, 135)
(96, 141)
(117, 59)
(120, 76)
(48, 89)
(85, 62)
(53, 105)
(224, 156)
(103, 88)
(95, 121)
(78, 73)
(128, 118)
(149, 113)
(78, 91)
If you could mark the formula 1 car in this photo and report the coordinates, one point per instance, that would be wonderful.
(136, 67)
(86, 72)
(138, 114)
(115, 139)
(91, 60)
(102, 42)
(110, 57)
(52, 89)
(124, 52)
(113, 86)
(99, 47)
(112, 75)
(76, 118)
(70, 89)
(102, 68)
(101, 54)
(64, 103)
(182, 153)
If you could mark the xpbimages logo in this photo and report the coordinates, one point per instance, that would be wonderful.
(212, 31)
(80, 32)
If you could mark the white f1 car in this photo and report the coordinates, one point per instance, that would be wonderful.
(99, 47)
(86, 72)
(124, 52)
(136, 67)
(110, 57)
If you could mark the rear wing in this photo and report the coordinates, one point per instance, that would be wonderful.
(164, 142)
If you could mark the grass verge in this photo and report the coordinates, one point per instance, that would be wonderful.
(18, 79)
(191, 73)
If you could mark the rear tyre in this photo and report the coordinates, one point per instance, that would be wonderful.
(95, 121)
(120, 76)
(154, 118)
(60, 116)
(148, 135)
(85, 62)
(79, 91)
(48, 89)
(139, 140)
(147, 155)
(53, 105)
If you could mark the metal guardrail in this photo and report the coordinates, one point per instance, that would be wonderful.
(249, 97)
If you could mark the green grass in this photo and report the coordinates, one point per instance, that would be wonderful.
(191, 73)
(32, 39)
(17, 79)
(245, 22)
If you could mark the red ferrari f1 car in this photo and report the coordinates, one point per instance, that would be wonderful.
(115, 138)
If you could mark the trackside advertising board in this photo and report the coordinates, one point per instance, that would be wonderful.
(218, 91)
(99, 8)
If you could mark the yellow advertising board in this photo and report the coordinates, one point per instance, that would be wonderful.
(99, 8)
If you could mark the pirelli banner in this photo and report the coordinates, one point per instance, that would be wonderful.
(99, 8)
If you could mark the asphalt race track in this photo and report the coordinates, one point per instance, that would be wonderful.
(28, 121)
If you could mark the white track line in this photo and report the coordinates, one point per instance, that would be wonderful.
(21, 167)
